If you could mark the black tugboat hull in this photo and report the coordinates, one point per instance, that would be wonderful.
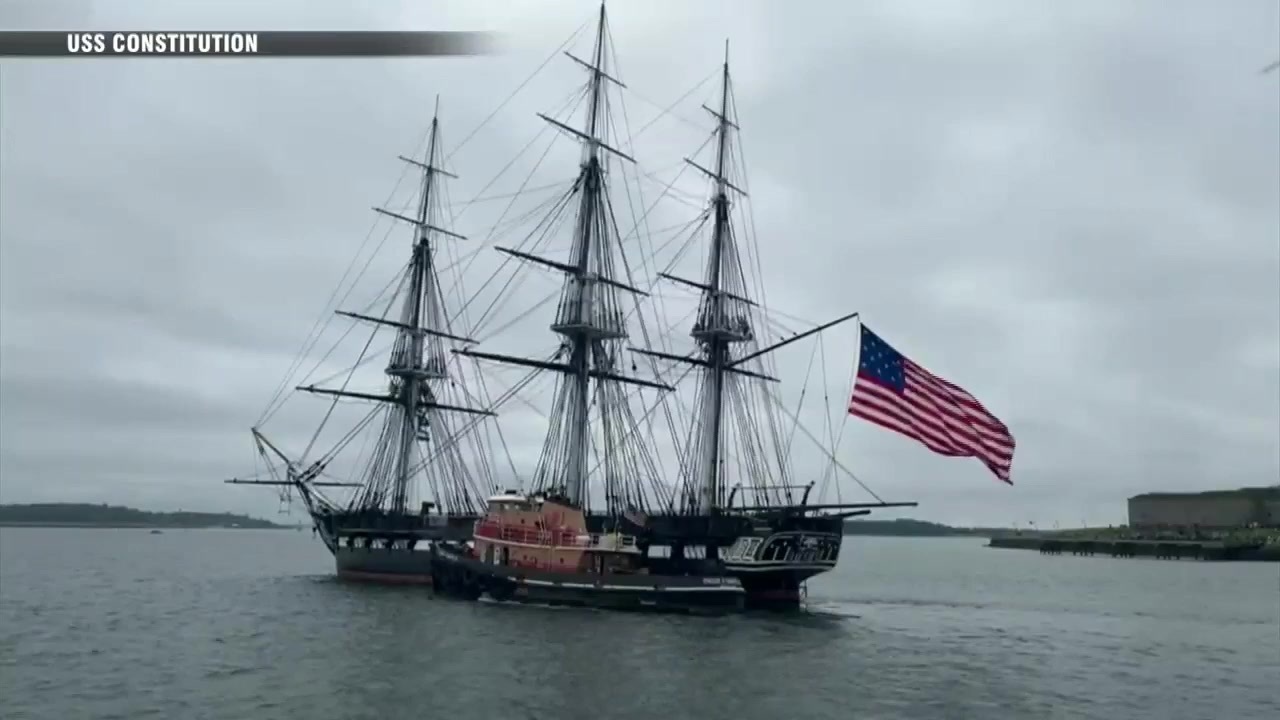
(459, 575)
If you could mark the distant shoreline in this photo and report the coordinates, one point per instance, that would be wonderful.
(158, 526)
(84, 515)
(907, 527)
(137, 526)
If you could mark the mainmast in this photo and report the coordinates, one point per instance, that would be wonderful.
(589, 319)
(574, 320)
(714, 329)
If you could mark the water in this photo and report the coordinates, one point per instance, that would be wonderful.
(251, 624)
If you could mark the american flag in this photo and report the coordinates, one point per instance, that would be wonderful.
(895, 393)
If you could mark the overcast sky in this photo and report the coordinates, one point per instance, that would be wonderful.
(1071, 209)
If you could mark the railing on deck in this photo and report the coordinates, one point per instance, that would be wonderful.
(744, 549)
(611, 542)
(784, 548)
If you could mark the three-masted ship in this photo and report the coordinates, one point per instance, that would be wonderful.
(733, 529)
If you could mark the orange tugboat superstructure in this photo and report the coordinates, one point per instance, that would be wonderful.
(538, 549)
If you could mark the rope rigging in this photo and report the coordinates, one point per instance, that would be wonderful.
(455, 460)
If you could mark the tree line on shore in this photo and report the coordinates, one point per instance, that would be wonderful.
(86, 514)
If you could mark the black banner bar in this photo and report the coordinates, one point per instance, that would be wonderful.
(186, 43)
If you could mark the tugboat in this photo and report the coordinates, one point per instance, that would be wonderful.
(538, 550)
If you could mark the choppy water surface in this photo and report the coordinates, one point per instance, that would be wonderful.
(251, 624)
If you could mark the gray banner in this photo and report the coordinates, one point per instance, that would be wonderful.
(185, 43)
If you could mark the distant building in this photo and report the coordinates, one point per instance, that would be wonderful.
(1211, 509)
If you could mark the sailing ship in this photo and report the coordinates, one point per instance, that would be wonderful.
(650, 544)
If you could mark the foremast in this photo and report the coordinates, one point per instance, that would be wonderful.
(589, 321)
(418, 364)
(410, 368)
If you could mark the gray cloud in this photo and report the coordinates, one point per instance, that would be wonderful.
(1071, 210)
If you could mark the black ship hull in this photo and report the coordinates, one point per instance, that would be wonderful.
(775, 561)
(459, 575)
(382, 565)
(770, 559)
(772, 555)
(779, 587)
(387, 548)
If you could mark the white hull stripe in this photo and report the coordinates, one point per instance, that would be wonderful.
(769, 567)
(615, 588)
(552, 548)
(630, 588)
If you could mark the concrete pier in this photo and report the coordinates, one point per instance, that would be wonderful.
(1117, 547)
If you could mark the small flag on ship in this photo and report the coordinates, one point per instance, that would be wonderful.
(895, 393)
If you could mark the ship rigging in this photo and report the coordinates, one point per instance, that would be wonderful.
(437, 440)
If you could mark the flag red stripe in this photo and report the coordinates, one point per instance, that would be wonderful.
(938, 414)
(930, 399)
(894, 421)
(887, 403)
(873, 406)
(968, 404)
(926, 412)
(934, 408)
